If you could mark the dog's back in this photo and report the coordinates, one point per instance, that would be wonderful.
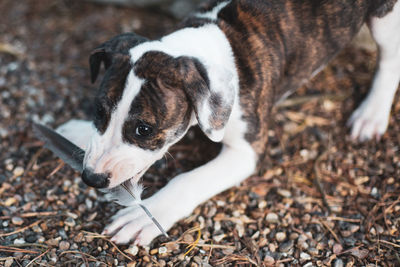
(288, 40)
(278, 45)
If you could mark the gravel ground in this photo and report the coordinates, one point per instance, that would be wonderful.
(322, 201)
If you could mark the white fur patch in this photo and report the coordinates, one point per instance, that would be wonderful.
(371, 118)
(212, 14)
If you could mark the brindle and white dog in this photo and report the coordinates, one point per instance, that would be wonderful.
(222, 70)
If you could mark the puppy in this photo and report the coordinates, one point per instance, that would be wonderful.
(222, 70)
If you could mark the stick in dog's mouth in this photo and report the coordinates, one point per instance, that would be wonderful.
(73, 156)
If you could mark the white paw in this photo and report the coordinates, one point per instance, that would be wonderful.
(369, 120)
(131, 224)
(77, 131)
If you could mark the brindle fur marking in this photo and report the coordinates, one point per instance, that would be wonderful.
(115, 56)
(277, 52)
(160, 103)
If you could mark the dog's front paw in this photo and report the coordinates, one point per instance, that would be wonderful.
(369, 120)
(131, 224)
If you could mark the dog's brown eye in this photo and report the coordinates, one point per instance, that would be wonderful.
(143, 130)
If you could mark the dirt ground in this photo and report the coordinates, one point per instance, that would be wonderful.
(276, 218)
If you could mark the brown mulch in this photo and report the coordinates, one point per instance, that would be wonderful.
(323, 199)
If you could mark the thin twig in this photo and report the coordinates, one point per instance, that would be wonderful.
(94, 235)
(193, 245)
(33, 160)
(14, 249)
(388, 243)
(84, 255)
(31, 214)
(330, 230)
(209, 254)
(29, 245)
(56, 169)
(38, 257)
(21, 229)
(336, 218)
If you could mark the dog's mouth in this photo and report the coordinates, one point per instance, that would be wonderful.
(133, 179)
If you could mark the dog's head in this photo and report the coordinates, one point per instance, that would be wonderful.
(144, 106)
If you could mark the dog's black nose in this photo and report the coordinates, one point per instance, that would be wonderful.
(97, 180)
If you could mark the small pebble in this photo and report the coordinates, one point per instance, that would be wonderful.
(43, 226)
(284, 193)
(218, 238)
(228, 251)
(172, 246)
(272, 247)
(17, 220)
(236, 213)
(372, 231)
(188, 238)
(10, 201)
(89, 239)
(280, 236)
(162, 250)
(18, 171)
(217, 226)
(133, 250)
(19, 241)
(64, 245)
(78, 238)
(70, 222)
(375, 192)
(31, 238)
(240, 229)
(313, 251)
(89, 203)
(8, 262)
(262, 204)
(338, 263)
(37, 229)
(337, 248)
(293, 236)
(268, 260)
(302, 244)
(305, 256)
(285, 247)
(379, 229)
(53, 242)
(272, 218)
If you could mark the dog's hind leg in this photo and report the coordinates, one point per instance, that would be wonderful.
(78, 132)
(371, 118)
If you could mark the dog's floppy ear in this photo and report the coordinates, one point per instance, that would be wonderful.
(106, 52)
(212, 101)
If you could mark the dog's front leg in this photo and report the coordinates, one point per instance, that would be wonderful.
(182, 194)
